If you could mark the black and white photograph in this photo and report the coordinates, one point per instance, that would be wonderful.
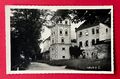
(59, 39)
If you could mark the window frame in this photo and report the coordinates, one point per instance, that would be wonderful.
(93, 31)
(61, 32)
(66, 32)
(80, 44)
(80, 34)
(97, 30)
(86, 43)
(63, 48)
(62, 40)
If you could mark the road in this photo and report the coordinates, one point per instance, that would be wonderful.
(43, 66)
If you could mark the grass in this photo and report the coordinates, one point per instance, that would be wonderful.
(55, 62)
(89, 64)
(81, 64)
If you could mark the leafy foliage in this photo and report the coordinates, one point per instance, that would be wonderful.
(75, 51)
(25, 34)
(103, 15)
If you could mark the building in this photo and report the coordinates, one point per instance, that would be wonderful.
(60, 39)
(45, 37)
(46, 44)
(45, 48)
(89, 35)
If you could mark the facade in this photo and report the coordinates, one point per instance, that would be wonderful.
(89, 35)
(46, 44)
(45, 37)
(60, 40)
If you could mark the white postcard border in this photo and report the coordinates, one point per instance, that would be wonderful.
(8, 49)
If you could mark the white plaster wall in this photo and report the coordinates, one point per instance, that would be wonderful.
(65, 52)
(46, 45)
(67, 39)
(103, 35)
(90, 36)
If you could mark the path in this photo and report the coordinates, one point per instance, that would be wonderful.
(43, 66)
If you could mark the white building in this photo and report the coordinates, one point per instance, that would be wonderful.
(46, 44)
(45, 37)
(88, 35)
(60, 40)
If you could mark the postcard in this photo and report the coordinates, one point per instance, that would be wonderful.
(59, 39)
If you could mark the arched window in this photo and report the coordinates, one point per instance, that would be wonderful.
(60, 31)
(86, 43)
(66, 33)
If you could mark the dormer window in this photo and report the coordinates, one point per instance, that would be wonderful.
(66, 22)
(60, 21)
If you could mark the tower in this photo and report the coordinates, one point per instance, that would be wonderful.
(60, 40)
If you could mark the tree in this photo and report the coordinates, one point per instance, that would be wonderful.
(25, 33)
(75, 51)
(103, 15)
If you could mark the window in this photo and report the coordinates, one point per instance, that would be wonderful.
(60, 32)
(93, 31)
(97, 40)
(63, 56)
(62, 40)
(80, 44)
(106, 30)
(66, 22)
(63, 48)
(93, 42)
(80, 34)
(52, 40)
(52, 49)
(86, 43)
(97, 30)
(60, 21)
(86, 33)
(66, 32)
(52, 34)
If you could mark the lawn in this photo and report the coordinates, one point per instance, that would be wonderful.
(82, 64)
(89, 64)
